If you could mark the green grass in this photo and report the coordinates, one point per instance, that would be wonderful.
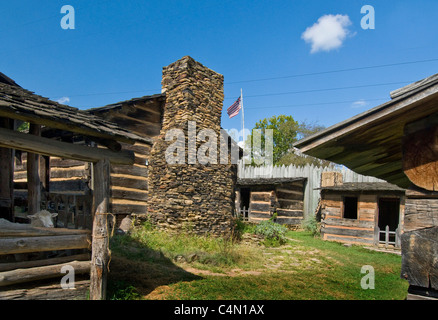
(155, 265)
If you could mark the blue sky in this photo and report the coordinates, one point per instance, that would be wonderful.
(118, 48)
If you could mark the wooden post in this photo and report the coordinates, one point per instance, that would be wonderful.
(100, 246)
(33, 176)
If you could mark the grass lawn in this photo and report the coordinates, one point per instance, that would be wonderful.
(151, 264)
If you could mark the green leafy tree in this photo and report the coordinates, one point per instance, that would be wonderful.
(286, 131)
(284, 135)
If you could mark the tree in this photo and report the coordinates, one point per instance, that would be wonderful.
(284, 135)
(286, 131)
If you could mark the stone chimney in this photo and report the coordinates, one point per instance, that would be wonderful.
(188, 195)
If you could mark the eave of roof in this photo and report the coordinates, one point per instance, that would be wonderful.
(370, 143)
(21, 104)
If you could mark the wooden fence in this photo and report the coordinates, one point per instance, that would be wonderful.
(310, 172)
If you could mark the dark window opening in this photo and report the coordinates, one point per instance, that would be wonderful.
(244, 198)
(350, 207)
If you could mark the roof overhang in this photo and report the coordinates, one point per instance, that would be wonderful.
(371, 142)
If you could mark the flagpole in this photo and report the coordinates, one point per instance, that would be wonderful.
(243, 117)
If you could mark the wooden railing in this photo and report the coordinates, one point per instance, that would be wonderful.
(387, 239)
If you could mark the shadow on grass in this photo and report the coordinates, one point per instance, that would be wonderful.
(136, 266)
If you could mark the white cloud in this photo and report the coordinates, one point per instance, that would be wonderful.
(63, 100)
(359, 104)
(328, 33)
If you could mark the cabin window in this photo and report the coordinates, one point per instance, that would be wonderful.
(350, 207)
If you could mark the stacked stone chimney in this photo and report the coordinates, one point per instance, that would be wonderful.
(191, 196)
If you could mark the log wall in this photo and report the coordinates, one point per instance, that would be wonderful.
(335, 227)
(287, 200)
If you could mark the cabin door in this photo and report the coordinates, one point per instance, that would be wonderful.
(388, 219)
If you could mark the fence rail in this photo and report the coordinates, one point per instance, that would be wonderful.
(311, 172)
(395, 235)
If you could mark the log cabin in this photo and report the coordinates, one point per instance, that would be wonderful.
(369, 213)
(18, 105)
(397, 142)
(169, 195)
(260, 198)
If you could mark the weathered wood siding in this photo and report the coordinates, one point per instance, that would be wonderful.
(335, 227)
(129, 186)
(310, 172)
(290, 198)
(285, 199)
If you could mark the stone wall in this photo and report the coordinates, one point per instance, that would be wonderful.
(188, 195)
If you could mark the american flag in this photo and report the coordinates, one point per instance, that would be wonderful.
(234, 109)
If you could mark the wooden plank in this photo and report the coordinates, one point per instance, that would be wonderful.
(328, 221)
(45, 243)
(134, 170)
(55, 123)
(347, 239)
(38, 273)
(49, 147)
(289, 221)
(289, 213)
(129, 181)
(41, 263)
(128, 194)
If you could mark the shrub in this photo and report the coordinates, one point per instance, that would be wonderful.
(274, 233)
(310, 224)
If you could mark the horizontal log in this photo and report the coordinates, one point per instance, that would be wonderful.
(135, 170)
(41, 263)
(48, 147)
(348, 223)
(44, 243)
(56, 162)
(39, 273)
(291, 204)
(129, 182)
(289, 213)
(48, 292)
(120, 208)
(355, 240)
(261, 196)
(290, 221)
(30, 231)
(259, 215)
(353, 232)
(128, 194)
(260, 206)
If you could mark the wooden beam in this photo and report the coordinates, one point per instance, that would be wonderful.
(49, 147)
(100, 246)
(25, 275)
(46, 243)
(44, 262)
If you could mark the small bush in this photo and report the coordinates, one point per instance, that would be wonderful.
(274, 233)
(310, 224)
